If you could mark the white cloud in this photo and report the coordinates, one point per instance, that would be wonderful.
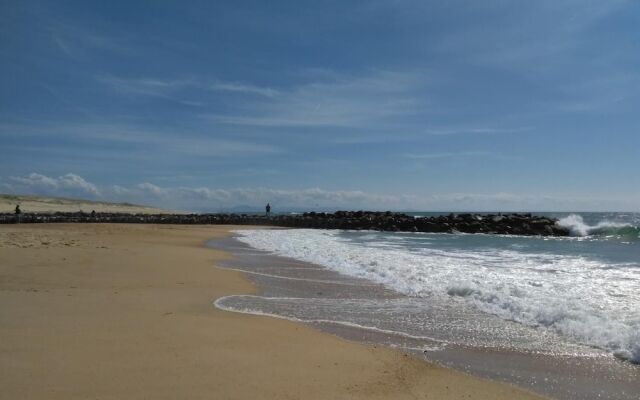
(69, 184)
(76, 182)
(203, 197)
(218, 199)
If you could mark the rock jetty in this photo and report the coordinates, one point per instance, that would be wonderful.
(511, 224)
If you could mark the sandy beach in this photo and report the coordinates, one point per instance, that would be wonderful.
(125, 312)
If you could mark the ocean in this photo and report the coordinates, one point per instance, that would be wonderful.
(560, 298)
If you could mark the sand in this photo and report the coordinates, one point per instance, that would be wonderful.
(124, 312)
(41, 204)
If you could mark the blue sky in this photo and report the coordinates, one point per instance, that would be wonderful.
(432, 105)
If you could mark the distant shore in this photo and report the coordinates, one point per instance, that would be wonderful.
(124, 311)
(45, 204)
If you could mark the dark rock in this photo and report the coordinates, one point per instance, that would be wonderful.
(515, 224)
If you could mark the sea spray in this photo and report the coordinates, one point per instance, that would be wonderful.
(577, 226)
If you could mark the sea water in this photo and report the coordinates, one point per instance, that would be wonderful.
(575, 296)
(585, 287)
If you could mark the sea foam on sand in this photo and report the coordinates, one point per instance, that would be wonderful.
(581, 298)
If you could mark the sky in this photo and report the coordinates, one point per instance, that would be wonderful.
(400, 105)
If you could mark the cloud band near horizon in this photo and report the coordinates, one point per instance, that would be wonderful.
(207, 199)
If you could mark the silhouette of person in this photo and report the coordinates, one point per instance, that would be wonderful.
(18, 211)
(268, 209)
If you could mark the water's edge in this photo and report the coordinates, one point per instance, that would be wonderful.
(308, 293)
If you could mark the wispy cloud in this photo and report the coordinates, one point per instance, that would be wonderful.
(78, 40)
(461, 154)
(361, 101)
(373, 105)
(475, 130)
(174, 88)
(561, 47)
(537, 31)
(167, 89)
(177, 141)
(62, 45)
(243, 88)
(387, 94)
(615, 91)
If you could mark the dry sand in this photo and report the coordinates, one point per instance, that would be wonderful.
(40, 204)
(124, 312)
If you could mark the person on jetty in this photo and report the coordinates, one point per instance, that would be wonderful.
(268, 210)
(18, 210)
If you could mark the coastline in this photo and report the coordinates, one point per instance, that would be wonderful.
(123, 311)
(297, 286)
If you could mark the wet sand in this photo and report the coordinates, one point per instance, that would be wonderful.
(451, 334)
(125, 312)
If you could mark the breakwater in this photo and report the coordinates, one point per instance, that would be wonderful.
(512, 224)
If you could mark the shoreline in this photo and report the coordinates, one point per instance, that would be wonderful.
(123, 311)
(363, 312)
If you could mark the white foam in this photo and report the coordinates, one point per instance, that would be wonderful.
(218, 303)
(291, 278)
(576, 225)
(568, 294)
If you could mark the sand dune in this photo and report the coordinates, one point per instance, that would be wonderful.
(40, 204)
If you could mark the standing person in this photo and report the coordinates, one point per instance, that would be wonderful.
(268, 209)
(18, 211)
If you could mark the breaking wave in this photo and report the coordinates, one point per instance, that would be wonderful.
(578, 227)
(589, 300)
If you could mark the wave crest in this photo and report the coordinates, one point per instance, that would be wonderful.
(576, 225)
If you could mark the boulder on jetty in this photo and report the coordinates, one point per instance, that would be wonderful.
(505, 224)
